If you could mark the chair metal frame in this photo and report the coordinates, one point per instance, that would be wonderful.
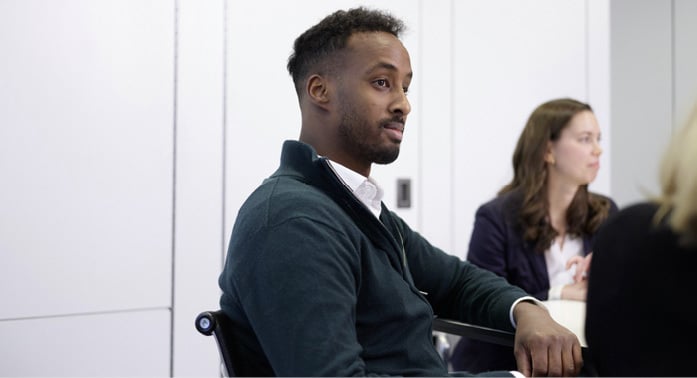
(213, 323)
(489, 335)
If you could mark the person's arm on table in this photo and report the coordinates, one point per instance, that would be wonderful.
(542, 346)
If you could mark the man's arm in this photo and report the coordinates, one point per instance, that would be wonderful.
(543, 347)
(464, 292)
(295, 283)
(457, 289)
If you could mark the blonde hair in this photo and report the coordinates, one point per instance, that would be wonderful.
(678, 175)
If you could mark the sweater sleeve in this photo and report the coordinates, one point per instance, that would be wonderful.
(457, 289)
(298, 290)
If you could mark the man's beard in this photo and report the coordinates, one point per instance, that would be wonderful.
(355, 132)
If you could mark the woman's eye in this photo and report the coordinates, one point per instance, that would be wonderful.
(381, 82)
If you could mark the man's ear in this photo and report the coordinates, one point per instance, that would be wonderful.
(318, 90)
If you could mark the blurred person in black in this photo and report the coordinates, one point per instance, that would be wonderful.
(640, 315)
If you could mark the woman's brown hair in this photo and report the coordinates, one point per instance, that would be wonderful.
(586, 211)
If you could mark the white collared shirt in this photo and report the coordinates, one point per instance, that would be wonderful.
(365, 189)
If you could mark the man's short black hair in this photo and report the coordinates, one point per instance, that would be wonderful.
(330, 35)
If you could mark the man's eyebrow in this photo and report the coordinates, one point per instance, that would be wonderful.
(388, 66)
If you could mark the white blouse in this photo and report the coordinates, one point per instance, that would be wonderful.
(556, 257)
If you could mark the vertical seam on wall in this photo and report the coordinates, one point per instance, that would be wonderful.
(452, 212)
(419, 151)
(587, 47)
(174, 180)
(224, 136)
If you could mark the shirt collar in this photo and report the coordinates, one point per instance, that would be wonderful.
(365, 189)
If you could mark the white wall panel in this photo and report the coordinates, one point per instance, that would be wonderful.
(85, 155)
(199, 241)
(125, 344)
(262, 105)
(436, 115)
(510, 56)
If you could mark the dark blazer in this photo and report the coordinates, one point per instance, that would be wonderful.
(640, 310)
(497, 245)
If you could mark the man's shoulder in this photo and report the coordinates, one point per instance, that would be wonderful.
(281, 195)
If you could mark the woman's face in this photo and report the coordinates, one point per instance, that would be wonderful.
(574, 158)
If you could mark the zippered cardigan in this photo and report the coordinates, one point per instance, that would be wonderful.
(316, 285)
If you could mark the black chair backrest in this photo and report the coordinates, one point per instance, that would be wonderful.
(214, 323)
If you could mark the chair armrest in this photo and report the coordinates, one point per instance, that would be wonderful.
(489, 335)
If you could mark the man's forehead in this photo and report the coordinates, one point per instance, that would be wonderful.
(385, 49)
(375, 39)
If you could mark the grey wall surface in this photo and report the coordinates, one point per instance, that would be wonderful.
(654, 87)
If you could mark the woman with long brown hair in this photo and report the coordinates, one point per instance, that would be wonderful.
(537, 232)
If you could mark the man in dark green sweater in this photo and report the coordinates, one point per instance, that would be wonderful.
(321, 279)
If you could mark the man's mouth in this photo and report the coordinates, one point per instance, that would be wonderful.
(395, 129)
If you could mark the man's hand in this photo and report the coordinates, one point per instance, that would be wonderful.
(542, 346)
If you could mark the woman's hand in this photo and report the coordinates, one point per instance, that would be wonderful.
(576, 291)
(583, 266)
